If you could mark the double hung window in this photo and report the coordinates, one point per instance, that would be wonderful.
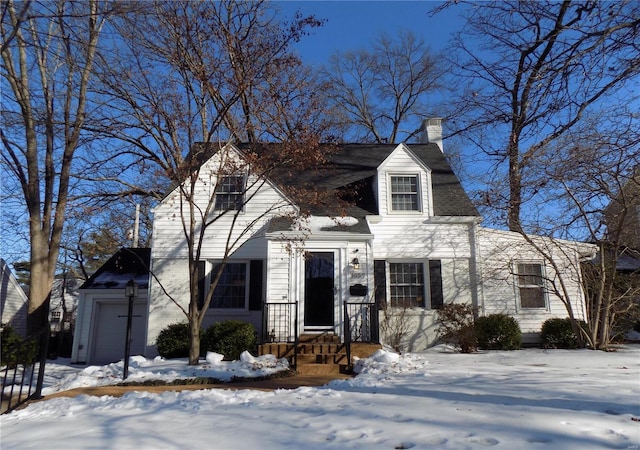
(231, 290)
(406, 282)
(408, 285)
(230, 193)
(531, 285)
(404, 193)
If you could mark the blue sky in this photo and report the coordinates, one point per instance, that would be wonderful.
(352, 25)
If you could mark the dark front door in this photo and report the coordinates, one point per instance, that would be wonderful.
(319, 276)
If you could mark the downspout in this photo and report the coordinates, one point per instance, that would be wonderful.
(476, 261)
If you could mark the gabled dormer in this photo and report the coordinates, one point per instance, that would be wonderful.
(404, 185)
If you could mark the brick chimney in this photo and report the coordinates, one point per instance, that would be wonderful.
(431, 132)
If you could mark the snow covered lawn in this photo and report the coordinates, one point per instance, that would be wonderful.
(439, 399)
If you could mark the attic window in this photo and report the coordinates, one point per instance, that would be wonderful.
(230, 193)
(404, 193)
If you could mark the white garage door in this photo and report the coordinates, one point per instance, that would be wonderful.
(111, 329)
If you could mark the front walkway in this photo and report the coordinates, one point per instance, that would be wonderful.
(292, 382)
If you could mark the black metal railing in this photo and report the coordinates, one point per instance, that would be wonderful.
(22, 371)
(361, 322)
(360, 325)
(280, 324)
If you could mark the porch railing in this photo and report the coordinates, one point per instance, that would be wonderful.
(280, 324)
(360, 324)
(22, 371)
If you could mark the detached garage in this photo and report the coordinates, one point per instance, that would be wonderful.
(101, 324)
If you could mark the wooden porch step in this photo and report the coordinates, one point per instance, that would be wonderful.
(283, 350)
(321, 369)
(319, 358)
(320, 338)
(326, 358)
(280, 350)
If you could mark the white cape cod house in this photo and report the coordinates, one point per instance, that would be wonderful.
(410, 242)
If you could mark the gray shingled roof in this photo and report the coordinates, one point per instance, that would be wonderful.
(355, 165)
(127, 264)
(352, 167)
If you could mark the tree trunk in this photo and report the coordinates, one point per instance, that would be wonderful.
(515, 186)
(194, 348)
(41, 280)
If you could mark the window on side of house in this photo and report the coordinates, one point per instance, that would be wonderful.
(404, 190)
(231, 290)
(531, 285)
(230, 193)
(406, 283)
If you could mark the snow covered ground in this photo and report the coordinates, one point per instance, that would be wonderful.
(527, 399)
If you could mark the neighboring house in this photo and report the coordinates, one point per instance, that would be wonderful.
(409, 243)
(623, 213)
(14, 301)
(64, 303)
(100, 330)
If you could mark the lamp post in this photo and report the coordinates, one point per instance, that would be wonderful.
(130, 291)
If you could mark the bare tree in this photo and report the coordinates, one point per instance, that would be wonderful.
(189, 77)
(599, 194)
(530, 71)
(382, 91)
(48, 54)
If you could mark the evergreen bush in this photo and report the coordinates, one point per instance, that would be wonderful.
(15, 350)
(230, 338)
(557, 333)
(498, 332)
(174, 341)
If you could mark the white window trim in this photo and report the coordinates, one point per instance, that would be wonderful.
(426, 283)
(211, 263)
(419, 189)
(245, 182)
(545, 291)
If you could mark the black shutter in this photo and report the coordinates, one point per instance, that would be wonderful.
(255, 285)
(202, 283)
(435, 282)
(380, 281)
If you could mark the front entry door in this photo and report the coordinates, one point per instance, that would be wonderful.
(319, 290)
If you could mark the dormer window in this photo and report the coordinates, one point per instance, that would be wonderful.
(230, 193)
(405, 194)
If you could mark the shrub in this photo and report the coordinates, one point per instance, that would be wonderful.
(174, 341)
(230, 338)
(557, 333)
(16, 350)
(456, 326)
(498, 332)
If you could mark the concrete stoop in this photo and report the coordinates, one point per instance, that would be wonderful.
(319, 354)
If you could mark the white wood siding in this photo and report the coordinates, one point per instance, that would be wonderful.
(278, 273)
(421, 323)
(13, 300)
(170, 253)
(499, 251)
(401, 162)
(402, 237)
(168, 234)
(174, 276)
